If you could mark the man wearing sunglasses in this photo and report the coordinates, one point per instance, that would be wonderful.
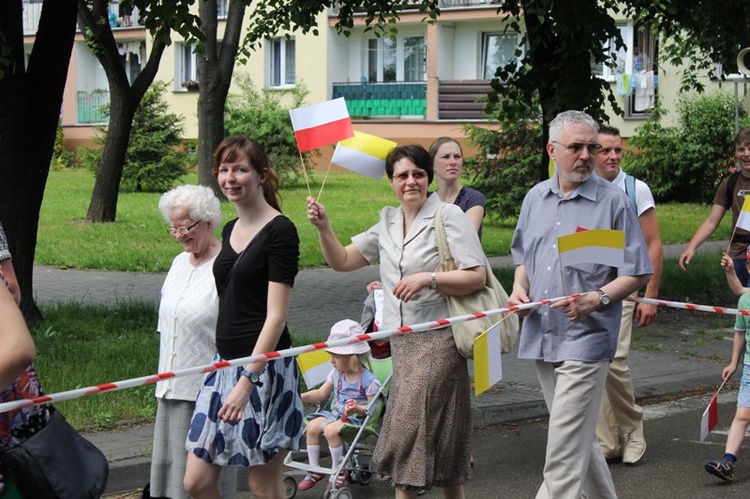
(573, 340)
(620, 424)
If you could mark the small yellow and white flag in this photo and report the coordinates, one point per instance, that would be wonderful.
(363, 154)
(488, 365)
(602, 246)
(315, 367)
(743, 221)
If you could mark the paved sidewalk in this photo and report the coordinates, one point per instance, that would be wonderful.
(323, 296)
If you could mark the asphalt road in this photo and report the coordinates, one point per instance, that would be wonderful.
(509, 460)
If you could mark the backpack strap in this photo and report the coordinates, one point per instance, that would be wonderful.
(731, 184)
(630, 191)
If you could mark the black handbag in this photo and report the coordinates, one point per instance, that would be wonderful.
(56, 462)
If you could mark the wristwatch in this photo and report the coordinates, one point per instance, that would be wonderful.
(252, 376)
(433, 281)
(603, 297)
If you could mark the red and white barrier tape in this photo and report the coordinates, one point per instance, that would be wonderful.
(289, 352)
(691, 306)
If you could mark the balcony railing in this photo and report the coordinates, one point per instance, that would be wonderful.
(444, 4)
(32, 11)
(448, 4)
(378, 99)
(92, 106)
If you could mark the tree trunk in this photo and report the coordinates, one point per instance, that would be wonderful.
(215, 71)
(210, 134)
(103, 206)
(30, 102)
(124, 101)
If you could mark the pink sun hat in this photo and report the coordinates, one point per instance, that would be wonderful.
(346, 329)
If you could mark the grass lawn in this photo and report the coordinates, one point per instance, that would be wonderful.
(138, 241)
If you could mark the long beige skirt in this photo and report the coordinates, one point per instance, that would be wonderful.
(426, 434)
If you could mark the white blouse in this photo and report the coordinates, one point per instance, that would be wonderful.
(187, 325)
(402, 254)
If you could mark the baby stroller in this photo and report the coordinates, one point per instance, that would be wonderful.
(359, 441)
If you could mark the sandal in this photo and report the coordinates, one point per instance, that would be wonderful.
(340, 480)
(310, 480)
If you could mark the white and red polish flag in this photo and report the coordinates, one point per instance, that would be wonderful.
(710, 417)
(321, 124)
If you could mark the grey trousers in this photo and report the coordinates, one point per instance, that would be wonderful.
(574, 465)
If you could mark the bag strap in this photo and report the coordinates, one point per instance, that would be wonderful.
(630, 191)
(731, 184)
(442, 239)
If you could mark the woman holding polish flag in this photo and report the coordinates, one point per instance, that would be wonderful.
(426, 436)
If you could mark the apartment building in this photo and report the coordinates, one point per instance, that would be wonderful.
(422, 83)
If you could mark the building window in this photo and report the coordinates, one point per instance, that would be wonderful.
(402, 58)
(633, 70)
(638, 54)
(415, 58)
(188, 68)
(498, 49)
(221, 8)
(282, 58)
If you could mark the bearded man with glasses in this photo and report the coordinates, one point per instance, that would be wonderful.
(573, 340)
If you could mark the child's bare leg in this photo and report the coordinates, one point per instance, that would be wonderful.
(335, 442)
(313, 431)
(737, 430)
(313, 453)
(332, 434)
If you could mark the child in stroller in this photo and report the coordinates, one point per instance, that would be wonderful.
(354, 387)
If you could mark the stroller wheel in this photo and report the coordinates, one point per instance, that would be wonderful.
(342, 493)
(290, 487)
(363, 475)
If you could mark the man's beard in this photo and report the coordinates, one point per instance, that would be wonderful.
(577, 177)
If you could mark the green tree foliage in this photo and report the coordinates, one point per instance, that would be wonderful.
(507, 165)
(686, 162)
(262, 116)
(154, 160)
(61, 157)
(559, 41)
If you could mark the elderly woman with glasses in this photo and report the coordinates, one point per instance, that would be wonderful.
(187, 326)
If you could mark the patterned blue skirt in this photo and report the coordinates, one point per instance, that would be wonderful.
(272, 421)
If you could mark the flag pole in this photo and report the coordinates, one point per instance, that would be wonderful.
(324, 179)
(729, 246)
(722, 386)
(304, 172)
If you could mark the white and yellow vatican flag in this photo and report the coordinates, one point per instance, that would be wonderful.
(601, 246)
(488, 365)
(315, 367)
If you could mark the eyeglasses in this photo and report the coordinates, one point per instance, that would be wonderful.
(577, 147)
(416, 175)
(182, 229)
